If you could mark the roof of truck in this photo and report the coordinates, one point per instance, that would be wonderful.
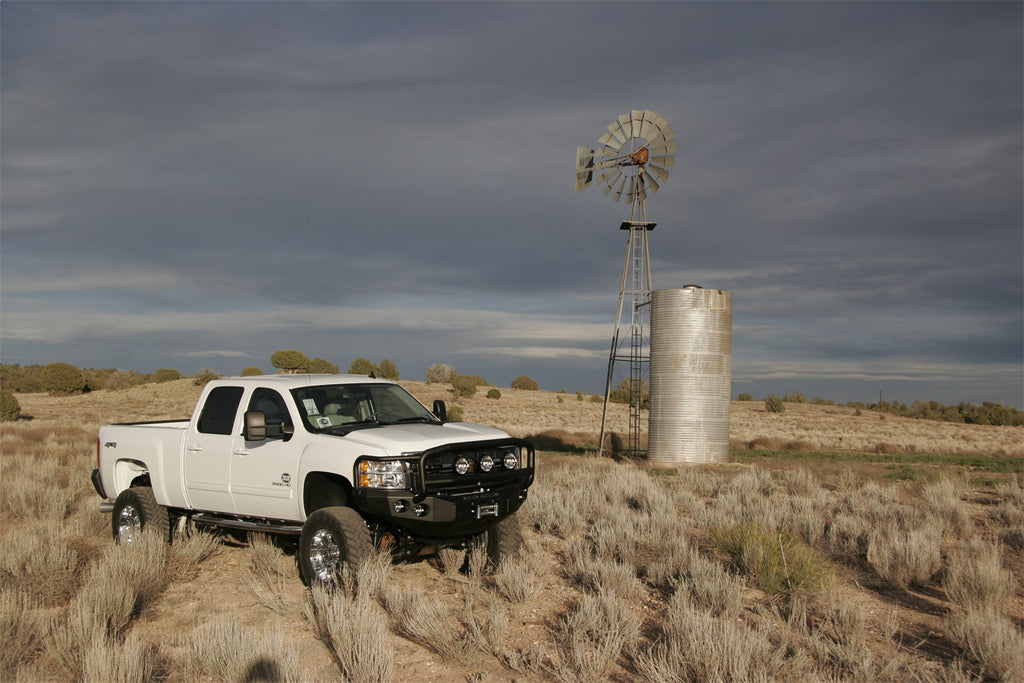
(294, 381)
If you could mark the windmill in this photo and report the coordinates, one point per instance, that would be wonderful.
(634, 157)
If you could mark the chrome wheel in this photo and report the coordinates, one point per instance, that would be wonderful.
(129, 524)
(325, 556)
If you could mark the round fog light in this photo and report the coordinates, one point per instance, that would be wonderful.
(511, 461)
(486, 463)
(461, 466)
(420, 510)
(401, 506)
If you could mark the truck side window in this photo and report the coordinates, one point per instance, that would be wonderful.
(270, 403)
(218, 414)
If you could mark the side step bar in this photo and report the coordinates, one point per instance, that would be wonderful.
(201, 519)
(226, 523)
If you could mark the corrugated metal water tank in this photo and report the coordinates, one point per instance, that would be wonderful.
(691, 375)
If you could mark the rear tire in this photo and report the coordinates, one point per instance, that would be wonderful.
(135, 510)
(331, 538)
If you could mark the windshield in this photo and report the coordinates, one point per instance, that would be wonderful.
(343, 407)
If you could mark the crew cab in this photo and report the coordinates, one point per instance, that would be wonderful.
(350, 464)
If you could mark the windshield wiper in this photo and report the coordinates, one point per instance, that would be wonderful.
(420, 418)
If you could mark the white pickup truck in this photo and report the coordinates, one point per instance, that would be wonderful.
(348, 463)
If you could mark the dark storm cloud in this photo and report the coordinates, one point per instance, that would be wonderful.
(215, 181)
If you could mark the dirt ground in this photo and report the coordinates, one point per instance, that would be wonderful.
(222, 586)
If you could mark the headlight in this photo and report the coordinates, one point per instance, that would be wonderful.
(382, 474)
(511, 459)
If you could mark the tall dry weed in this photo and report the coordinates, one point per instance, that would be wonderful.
(355, 628)
(975, 577)
(226, 650)
(697, 646)
(23, 624)
(426, 620)
(906, 558)
(990, 640)
(593, 635)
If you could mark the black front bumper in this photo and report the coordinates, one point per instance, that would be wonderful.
(447, 516)
(441, 504)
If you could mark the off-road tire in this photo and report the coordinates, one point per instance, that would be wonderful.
(504, 539)
(135, 510)
(331, 538)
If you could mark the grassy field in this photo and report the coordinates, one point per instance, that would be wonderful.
(831, 546)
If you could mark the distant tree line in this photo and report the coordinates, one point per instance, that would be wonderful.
(988, 413)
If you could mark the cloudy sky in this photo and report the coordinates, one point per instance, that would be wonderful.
(200, 184)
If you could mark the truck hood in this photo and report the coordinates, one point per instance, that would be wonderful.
(413, 438)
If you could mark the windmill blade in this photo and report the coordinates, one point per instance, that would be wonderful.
(609, 180)
(584, 167)
(662, 147)
(610, 163)
(626, 125)
(648, 129)
(618, 190)
(661, 172)
(617, 133)
(608, 151)
(665, 161)
(611, 141)
(637, 186)
(649, 180)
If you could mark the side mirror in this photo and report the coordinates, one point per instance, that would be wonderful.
(255, 426)
(440, 410)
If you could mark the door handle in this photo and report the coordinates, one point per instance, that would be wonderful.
(194, 447)
(241, 451)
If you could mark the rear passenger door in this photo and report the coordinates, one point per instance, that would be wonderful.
(208, 450)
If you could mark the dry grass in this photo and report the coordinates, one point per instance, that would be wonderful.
(626, 573)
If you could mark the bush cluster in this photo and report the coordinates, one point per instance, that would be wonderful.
(10, 409)
(524, 382)
(774, 404)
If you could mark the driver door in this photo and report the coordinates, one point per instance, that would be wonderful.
(264, 474)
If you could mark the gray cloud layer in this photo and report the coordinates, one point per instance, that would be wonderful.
(201, 184)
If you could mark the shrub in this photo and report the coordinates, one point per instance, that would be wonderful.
(320, 366)
(290, 361)
(744, 397)
(362, 366)
(388, 370)
(440, 372)
(975, 578)
(493, 393)
(774, 404)
(465, 385)
(166, 375)
(456, 414)
(794, 397)
(251, 372)
(525, 383)
(10, 409)
(63, 378)
(905, 558)
(205, 375)
(619, 396)
(780, 563)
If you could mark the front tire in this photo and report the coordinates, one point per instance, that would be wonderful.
(502, 540)
(331, 538)
(136, 509)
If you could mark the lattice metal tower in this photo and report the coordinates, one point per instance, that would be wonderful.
(637, 147)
